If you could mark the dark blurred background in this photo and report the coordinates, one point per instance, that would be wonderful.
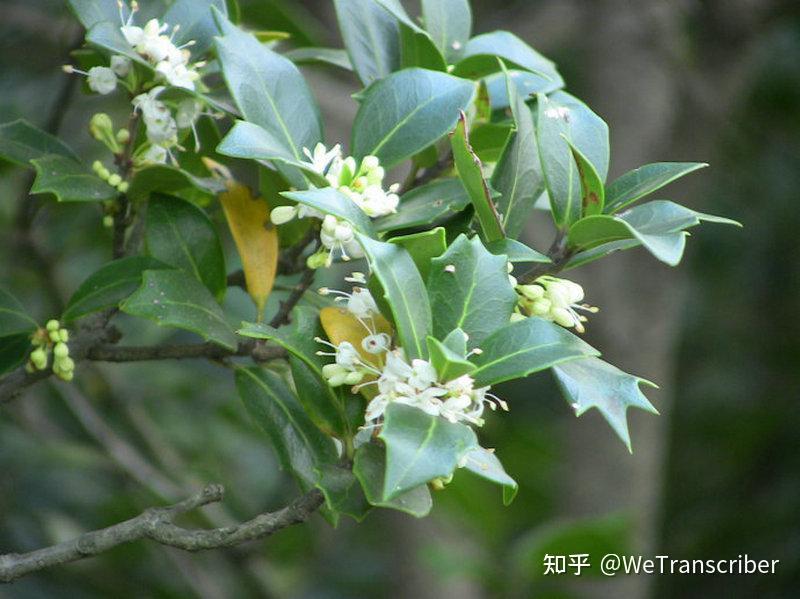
(715, 476)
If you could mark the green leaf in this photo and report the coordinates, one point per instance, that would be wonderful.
(449, 364)
(406, 112)
(370, 468)
(301, 447)
(179, 233)
(196, 22)
(168, 179)
(516, 251)
(524, 347)
(644, 180)
(107, 36)
(456, 341)
(426, 205)
(248, 140)
(91, 12)
(601, 251)
(268, 89)
(564, 120)
(469, 289)
(174, 298)
(489, 140)
(518, 176)
(593, 383)
(14, 320)
(592, 192)
(331, 201)
(107, 287)
(484, 463)
(470, 172)
(326, 56)
(418, 50)
(324, 405)
(449, 23)
(481, 53)
(403, 291)
(13, 351)
(371, 37)
(342, 491)
(658, 225)
(526, 83)
(420, 447)
(69, 181)
(423, 247)
(21, 142)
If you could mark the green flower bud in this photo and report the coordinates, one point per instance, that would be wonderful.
(104, 173)
(108, 221)
(39, 358)
(354, 378)
(123, 187)
(67, 364)
(563, 317)
(97, 166)
(63, 335)
(54, 336)
(114, 180)
(123, 136)
(53, 325)
(318, 260)
(61, 350)
(66, 376)
(101, 128)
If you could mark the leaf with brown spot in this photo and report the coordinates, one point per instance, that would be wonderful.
(256, 240)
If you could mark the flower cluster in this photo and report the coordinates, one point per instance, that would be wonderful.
(171, 62)
(361, 182)
(415, 383)
(553, 299)
(52, 338)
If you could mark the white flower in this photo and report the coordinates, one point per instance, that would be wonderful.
(120, 65)
(188, 112)
(423, 374)
(177, 75)
(321, 157)
(101, 80)
(554, 299)
(161, 128)
(376, 343)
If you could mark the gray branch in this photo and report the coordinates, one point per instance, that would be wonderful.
(158, 524)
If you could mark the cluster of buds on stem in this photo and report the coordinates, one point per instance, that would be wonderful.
(52, 339)
(113, 179)
(558, 300)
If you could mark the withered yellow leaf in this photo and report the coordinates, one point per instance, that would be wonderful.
(256, 239)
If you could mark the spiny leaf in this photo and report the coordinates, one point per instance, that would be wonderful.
(69, 181)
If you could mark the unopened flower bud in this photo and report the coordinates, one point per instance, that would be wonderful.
(97, 166)
(354, 378)
(563, 317)
(114, 180)
(282, 214)
(61, 350)
(63, 335)
(123, 187)
(370, 163)
(104, 173)
(318, 260)
(108, 221)
(123, 136)
(53, 325)
(54, 336)
(39, 358)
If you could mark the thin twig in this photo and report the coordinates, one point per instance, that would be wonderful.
(284, 313)
(158, 525)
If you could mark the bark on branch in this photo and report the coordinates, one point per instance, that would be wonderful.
(158, 524)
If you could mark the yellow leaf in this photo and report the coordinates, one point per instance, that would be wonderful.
(256, 239)
(340, 325)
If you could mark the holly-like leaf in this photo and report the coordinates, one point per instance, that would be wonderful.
(327, 56)
(406, 112)
(658, 225)
(371, 37)
(484, 463)
(644, 180)
(324, 405)
(403, 291)
(527, 84)
(420, 447)
(516, 251)
(423, 247)
(331, 201)
(469, 289)
(524, 347)
(175, 298)
(482, 51)
(456, 341)
(180, 234)
(91, 12)
(268, 89)
(110, 285)
(171, 180)
(518, 175)
(342, 491)
(21, 142)
(256, 240)
(14, 320)
(449, 23)
(470, 172)
(601, 251)
(418, 50)
(449, 364)
(565, 120)
(301, 447)
(426, 205)
(593, 383)
(107, 36)
(68, 180)
(370, 468)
